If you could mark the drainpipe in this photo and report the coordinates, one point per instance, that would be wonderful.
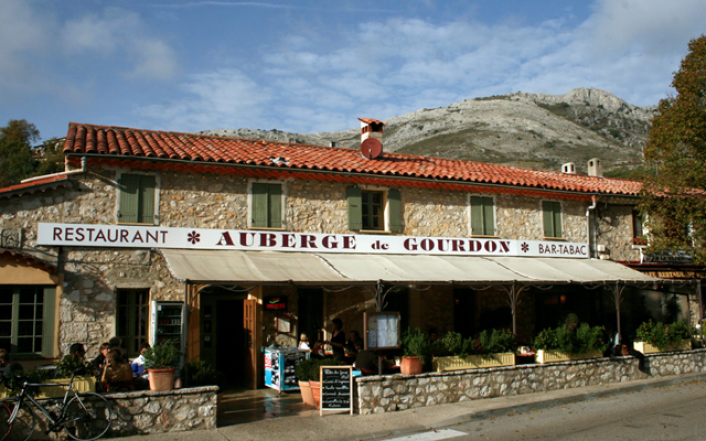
(64, 173)
(594, 200)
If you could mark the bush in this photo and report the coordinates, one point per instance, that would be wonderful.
(571, 339)
(163, 355)
(660, 335)
(454, 344)
(495, 342)
(314, 368)
(415, 343)
(302, 370)
(67, 365)
(201, 373)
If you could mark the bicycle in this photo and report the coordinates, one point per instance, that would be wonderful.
(84, 417)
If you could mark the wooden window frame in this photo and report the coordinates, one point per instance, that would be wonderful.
(266, 221)
(556, 220)
(131, 340)
(143, 216)
(48, 296)
(391, 216)
(486, 205)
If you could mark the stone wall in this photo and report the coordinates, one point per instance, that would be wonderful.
(614, 230)
(379, 394)
(143, 412)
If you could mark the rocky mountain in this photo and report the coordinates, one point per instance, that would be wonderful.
(524, 129)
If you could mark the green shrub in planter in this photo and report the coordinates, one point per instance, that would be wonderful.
(579, 340)
(314, 368)
(415, 343)
(497, 341)
(452, 343)
(164, 355)
(303, 368)
(661, 335)
(67, 365)
(201, 373)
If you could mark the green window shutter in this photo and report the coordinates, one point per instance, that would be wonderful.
(129, 198)
(557, 220)
(476, 215)
(274, 205)
(48, 322)
(146, 199)
(355, 209)
(394, 200)
(548, 216)
(258, 208)
(488, 216)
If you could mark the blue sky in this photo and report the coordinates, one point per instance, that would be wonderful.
(307, 66)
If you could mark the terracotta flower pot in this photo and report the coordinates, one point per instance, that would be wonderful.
(411, 366)
(161, 379)
(316, 392)
(307, 395)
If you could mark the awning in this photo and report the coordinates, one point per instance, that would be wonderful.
(262, 267)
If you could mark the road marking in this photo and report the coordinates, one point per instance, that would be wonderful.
(433, 435)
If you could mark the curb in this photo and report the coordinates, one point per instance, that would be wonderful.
(540, 403)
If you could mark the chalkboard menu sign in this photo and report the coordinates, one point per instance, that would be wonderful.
(336, 388)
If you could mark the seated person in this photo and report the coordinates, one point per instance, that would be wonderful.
(353, 336)
(117, 374)
(9, 367)
(138, 371)
(366, 361)
(304, 342)
(76, 358)
(99, 361)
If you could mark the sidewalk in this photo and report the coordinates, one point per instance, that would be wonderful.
(393, 424)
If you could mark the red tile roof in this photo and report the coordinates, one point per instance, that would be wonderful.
(126, 143)
(42, 184)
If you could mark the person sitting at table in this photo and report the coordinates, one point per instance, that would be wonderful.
(366, 361)
(117, 375)
(139, 373)
(353, 336)
(9, 366)
(304, 342)
(99, 361)
(338, 339)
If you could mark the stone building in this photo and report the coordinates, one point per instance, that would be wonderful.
(258, 241)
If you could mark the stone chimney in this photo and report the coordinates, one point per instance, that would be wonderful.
(569, 168)
(594, 167)
(371, 137)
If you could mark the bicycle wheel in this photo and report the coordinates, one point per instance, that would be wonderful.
(23, 424)
(87, 416)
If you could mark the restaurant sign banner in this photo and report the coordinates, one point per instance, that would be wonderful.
(128, 236)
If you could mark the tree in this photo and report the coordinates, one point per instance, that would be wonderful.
(674, 197)
(16, 160)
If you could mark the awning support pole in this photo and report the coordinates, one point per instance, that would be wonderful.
(701, 301)
(514, 300)
(618, 297)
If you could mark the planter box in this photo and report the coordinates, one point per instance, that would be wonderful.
(453, 363)
(553, 356)
(81, 385)
(648, 348)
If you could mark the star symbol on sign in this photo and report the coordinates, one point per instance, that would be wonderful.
(194, 237)
(525, 247)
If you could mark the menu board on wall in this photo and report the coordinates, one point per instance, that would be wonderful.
(336, 388)
(382, 330)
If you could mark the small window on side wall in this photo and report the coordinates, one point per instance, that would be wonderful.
(638, 232)
(551, 212)
(482, 216)
(266, 207)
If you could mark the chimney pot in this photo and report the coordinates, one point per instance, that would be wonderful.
(594, 167)
(569, 168)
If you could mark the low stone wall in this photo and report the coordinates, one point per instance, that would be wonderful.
(142, 412)
(378, 394)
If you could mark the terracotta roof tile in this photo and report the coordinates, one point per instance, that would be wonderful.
(35, 186)
(120, 141)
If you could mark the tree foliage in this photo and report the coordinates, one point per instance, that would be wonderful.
(18, 160)
(674, 197)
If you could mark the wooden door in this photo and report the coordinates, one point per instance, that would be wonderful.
(251, 350)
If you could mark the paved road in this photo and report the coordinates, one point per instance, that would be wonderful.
(664, 413)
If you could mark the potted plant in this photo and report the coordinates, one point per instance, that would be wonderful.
(416, 348)
(315, 376)
(161, 362)
(490, 349)
(570, 342)
(657, 337)
(302, 371)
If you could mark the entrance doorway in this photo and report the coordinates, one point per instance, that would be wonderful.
(227, 323)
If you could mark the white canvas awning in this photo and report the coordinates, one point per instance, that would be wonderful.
(261, 267)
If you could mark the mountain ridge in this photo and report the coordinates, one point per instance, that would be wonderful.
(523, 129)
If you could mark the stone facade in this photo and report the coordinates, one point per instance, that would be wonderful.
(379, 394)
(138, 413)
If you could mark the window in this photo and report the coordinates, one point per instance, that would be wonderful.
(132, 318)
(482, 216)
(27, 319)
(266, 205)
(374, 210)
(552, 219)
(137, 199)
(637, 229)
